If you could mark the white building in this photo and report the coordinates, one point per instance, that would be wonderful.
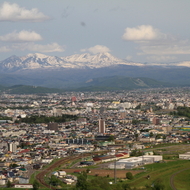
(29, 186)
(185, 156)
(133, 162)
(47, 160)
(117, 166)
(12, 147)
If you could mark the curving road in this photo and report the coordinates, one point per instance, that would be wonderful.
(40, 176)
(172, 178)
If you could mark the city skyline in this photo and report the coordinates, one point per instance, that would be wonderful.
(139, 31)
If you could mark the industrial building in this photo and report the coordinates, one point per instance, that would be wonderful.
(185, 156)
(133, 162)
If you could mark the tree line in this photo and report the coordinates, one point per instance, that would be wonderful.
(45, 119)
(181, 111)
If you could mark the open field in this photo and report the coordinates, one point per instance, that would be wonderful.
(170, 149)
(171, 171)
(181, 180)
(163, 173)
(103, 172)
(156, 171)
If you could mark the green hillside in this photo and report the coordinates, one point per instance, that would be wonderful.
(22, 89)
(110, 83)
(2, 88)
(122, 83)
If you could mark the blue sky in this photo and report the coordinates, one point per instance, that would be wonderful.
(136, 30)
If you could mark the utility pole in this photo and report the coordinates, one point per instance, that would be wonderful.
(115, 171)
(142, 157)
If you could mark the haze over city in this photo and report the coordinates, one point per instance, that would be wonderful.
(139, 31)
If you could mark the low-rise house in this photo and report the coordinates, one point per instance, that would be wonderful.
(27, 186)
(68, 181)
(47, 160)
(147, 140)
(185, 156)
(3, 181)
(62, 173)
(23, 180)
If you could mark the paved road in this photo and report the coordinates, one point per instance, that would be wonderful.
(172, 178)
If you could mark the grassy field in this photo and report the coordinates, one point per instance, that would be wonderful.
(163, 172)
(157, 171)
(181, 180)
(5, 188)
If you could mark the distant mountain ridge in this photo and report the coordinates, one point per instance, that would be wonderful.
(77, 61)
(111, 83)
(23, 89)
(73, 71)
(122, 83)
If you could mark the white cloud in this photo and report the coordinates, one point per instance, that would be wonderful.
(156, 45)
(97, 49)
(53, 47)
(22, 36)
(14, 13)
(142, 33)
(161, 58)
(4, 49)
(176, 47)
(129, 57)
(184, 63)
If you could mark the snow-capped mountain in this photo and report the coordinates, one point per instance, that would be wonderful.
(37, 61)
(96, 61)
(73, 71)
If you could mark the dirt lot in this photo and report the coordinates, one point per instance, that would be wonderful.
(103, 172)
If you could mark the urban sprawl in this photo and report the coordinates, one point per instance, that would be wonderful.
(35, 129)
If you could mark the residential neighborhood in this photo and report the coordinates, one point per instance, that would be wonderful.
(117, 123)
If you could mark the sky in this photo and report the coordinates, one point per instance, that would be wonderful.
(145, 31)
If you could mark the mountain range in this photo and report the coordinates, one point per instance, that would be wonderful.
(77, 61)
(86, 71)
(98, 84)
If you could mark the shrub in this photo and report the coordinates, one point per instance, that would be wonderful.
(129, 175)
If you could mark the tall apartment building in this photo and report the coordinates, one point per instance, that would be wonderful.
(53, 126)
(122, 114)
(57, 112)
(101, 126)
(12, 147)
(73, 99)
(156, 121)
